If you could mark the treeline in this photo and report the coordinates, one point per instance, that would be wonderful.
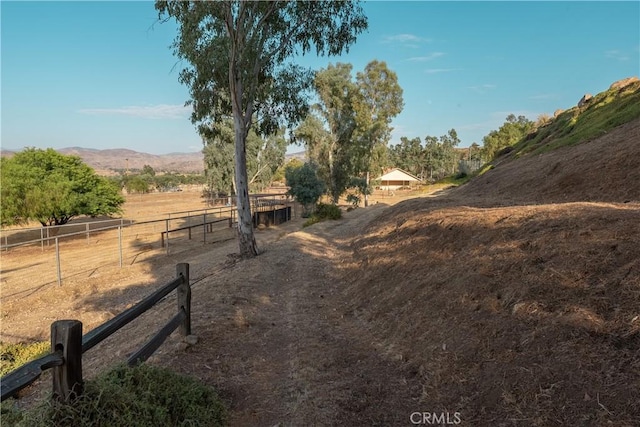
(147, 180)
(346, 136)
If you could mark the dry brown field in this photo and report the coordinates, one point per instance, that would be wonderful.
(513, 300)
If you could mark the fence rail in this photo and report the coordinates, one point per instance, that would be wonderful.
(31, 260)
(68, 344)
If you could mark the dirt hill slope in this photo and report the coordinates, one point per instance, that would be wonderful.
(516, 298)
(605, 169)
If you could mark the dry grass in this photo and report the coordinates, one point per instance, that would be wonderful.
(513, 300)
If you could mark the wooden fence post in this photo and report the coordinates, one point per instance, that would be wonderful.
(204, 228)
(66, 335)
(58, 271)
(184, 298)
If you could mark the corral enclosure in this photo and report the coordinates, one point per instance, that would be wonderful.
(75, 255)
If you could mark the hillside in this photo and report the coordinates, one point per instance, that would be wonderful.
(108, 161)
(516, 298)
(513, 300)
(121, 159)
(605, 169)
(587, 153)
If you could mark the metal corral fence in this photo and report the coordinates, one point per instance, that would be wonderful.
(34, 257)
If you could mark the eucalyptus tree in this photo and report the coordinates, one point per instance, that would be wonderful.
(379, 100)
(238, 55)
(265, 154)
(409, 155)
(332, 148)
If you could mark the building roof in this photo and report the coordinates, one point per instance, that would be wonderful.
(397, 174)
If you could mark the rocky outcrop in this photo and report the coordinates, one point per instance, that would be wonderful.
(558, 112)
(584, 99)
(622, 83)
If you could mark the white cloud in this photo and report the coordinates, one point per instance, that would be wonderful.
(160, 111)
(406, 38)
(429, 57)
(440, 70)
(482, 88)
(616, 54)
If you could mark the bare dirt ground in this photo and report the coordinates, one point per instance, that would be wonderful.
(513, 305)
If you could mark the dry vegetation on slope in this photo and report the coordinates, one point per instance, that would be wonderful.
(516, 298)
(513, 300)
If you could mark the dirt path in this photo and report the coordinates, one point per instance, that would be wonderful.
(276, 342)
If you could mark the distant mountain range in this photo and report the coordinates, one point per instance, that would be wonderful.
(109, 162)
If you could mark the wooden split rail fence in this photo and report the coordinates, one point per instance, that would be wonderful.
(68, 344)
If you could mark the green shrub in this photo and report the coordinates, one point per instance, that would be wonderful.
(328, 211)
(304, 185)
(323, 212)
(354, 200)
(13, 356)
(142, 396)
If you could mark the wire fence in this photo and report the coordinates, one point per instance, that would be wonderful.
(50, 255)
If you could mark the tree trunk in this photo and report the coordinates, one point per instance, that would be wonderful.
(332, 181)
(246, 239)
(366, 192)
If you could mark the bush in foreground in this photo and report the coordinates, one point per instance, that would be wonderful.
(143, 396)
(323, 212)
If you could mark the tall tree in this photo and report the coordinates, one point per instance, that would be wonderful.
(237, 53)
(318, 142)
(264, 156)
(333, 149)
(409, 155)
(52, 188)
(511, 131)
(218, 159)
(379, 101)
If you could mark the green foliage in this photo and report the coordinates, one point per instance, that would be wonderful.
(304, 185)
(137, 184)
(238, 57)
(354, 200)
(143, 396)
(12, 356)
(409, 155)
(52, 188)
(357, 115)
(333, 149)
(219, 159)
(324, 212)
(436, 159)
(378, 101)
(512, 131)
(279, 173)
(602, 113)
(264, 156)
(144, 182)
(148, 170)
(456, 180)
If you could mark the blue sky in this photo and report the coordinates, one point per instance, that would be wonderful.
(101, 74)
